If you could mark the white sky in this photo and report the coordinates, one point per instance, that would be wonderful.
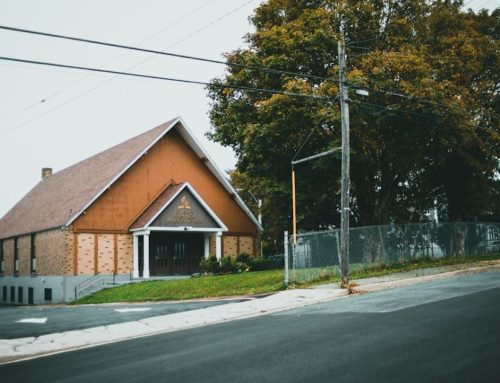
(82, 115)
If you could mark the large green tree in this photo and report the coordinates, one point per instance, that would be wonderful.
(427, 131)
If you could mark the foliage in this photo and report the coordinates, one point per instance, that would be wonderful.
(210, 265)
(428, 130)
(244, 258)
(227, 265)
(259, 264)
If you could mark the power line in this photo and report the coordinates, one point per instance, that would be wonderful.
(91, 89)
(403, 112)
(209, 84)
(62, 89)
(156, 52)
(409, 97)
(163, 53)
(397, 110)
(405, 96)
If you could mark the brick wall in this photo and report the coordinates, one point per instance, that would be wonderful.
(125, 253)
(8, 256)
(51, 252)
(85, 253)
(211, 245)
(230, 246)
(68, 261)
(24, 253)
(105, 251)
(246, 245)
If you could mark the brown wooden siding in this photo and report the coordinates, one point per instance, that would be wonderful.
(170, 158)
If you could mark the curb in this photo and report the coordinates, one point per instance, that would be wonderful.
(15, 350)
(377, 286)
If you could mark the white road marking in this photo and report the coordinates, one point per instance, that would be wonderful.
(133, 310)
(32, 320)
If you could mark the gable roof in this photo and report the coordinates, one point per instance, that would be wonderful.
(59, 199)
(165, 199)
(157, 206)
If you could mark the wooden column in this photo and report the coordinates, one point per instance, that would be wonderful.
(135, 264)
(96, 254)
(115, 253)
(75, 254)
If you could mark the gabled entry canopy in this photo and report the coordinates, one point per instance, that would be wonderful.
(179, 208)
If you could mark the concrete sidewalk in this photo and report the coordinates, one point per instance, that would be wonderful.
(17, 349)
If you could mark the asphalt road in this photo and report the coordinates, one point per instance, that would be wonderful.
(27, 321)
(446, 331)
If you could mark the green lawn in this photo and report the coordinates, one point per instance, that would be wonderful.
(249, 283)
(201, 287)
(378, 270)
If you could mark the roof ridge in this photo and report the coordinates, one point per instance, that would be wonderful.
(114, 147)
(60, 198)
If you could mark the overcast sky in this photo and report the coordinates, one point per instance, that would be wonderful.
(82, 113)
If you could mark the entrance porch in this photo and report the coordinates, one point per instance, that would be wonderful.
(167, 253)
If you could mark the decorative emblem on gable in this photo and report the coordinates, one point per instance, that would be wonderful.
(184, 203)
(184, 214)
(185, 210)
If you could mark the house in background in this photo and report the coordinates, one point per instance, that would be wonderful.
(154, 205)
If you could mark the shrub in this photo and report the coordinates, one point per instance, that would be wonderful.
(259, 264)
(244, 258)
(240, 267)
(210, 265)
(228, 265)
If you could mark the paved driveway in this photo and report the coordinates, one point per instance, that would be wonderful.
(27, 321)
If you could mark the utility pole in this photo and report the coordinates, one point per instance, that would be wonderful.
(344, 198)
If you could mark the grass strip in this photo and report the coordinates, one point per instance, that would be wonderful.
(380, 270)
(247, 283)
(250, 283)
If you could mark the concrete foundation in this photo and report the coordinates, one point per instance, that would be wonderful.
(61, 288)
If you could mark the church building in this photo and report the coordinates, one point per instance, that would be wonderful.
(154, 205)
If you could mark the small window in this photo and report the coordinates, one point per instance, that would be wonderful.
(33, 253)
(30, 295)
(2, 265)
(12, 294)
(19, 295)
(48, 294)
(4, 293)
(16, 256)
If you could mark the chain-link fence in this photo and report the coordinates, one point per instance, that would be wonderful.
(316, 254)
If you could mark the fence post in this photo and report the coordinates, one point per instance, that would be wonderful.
(286, 258)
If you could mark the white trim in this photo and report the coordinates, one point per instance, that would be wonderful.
(108, 185)
(135, 272)
(200, 200)
(207, 208)
(140, 232)
(195, 145)
(184, 228)
(198, 149)
(218, 245)
(206, 246)
(164, 206)
(145, 257)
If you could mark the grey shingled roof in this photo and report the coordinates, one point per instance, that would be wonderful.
(55, 200)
